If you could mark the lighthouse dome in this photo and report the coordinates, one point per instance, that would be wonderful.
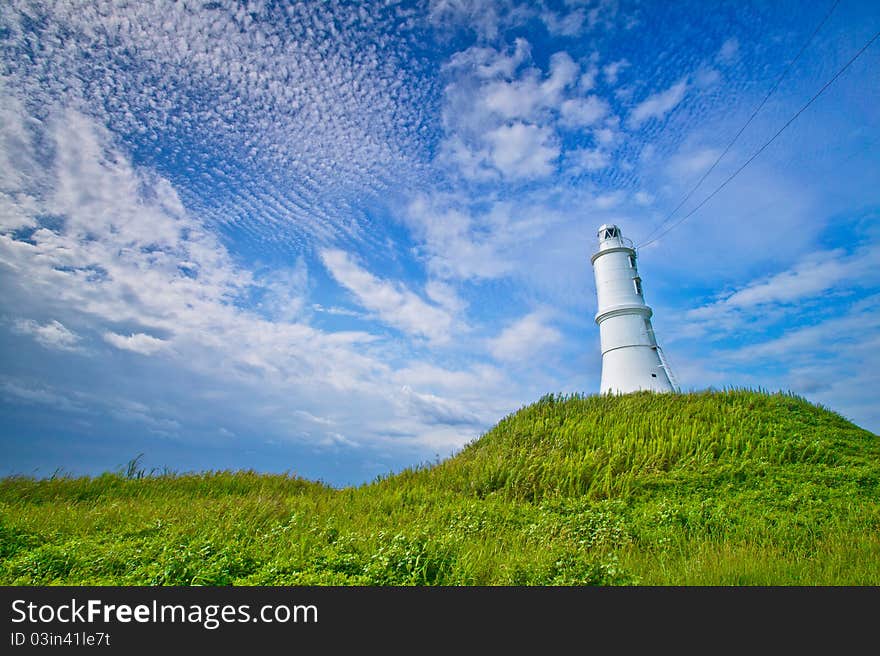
(608, 231)
(611, 237)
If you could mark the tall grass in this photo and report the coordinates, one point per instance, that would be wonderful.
(601, 446)
(729, 487)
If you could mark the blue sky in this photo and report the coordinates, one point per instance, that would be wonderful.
(339, 239)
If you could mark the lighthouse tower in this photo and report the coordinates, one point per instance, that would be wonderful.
(631, 358)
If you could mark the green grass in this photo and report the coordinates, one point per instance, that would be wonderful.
(713, 488)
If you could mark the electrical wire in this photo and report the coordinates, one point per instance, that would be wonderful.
(748, 122)
(767, 143)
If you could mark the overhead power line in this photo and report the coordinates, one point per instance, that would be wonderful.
(767, 143)
(748, 122)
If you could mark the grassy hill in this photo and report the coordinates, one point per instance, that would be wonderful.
(713, 488)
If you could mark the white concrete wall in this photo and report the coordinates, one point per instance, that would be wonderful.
(614, 279)
(632, 369)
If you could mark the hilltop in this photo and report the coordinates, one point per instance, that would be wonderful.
(732, 487)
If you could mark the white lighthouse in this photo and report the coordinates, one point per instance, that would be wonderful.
(631, 358)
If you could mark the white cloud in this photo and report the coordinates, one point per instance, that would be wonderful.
(583, 112)
(136, 342)
(445, 295)
(155, 269)
(484, 17)
(521, 150)
(587, 81)
(437, 410)
(610, 199)
(729, 50)
(706, 77)
(589, 159)
(177, 73)
(692, 163)
(658, 104)
(524, 339)
(472, 163)
(283, 291)
(52, 335)
(563, 72)
(838, 334)
(14, 168)
(605, 136)
(471, 382)
(458, 245)
(391, 302)
(612, 70)
(815, 276)
(524, 97)
(344, 312)
(500, 118)
(489, 63)
(569, 24)
(40, 395)
(643, 198)
(465, 241)
(149, 265)
(832, 361)
(517, 99)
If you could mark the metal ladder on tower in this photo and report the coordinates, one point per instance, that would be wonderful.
(665, 364)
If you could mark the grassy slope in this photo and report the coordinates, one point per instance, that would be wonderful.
(712, 488)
